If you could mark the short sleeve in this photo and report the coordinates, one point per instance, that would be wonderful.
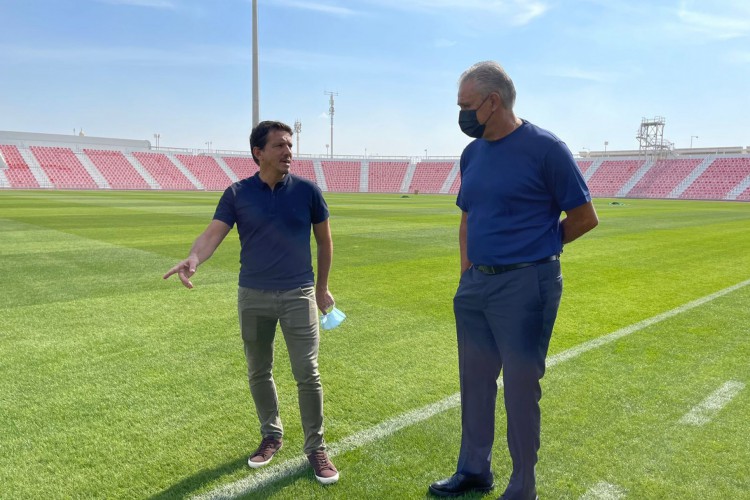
(460, 201)
(564, 179)
(225, 211)
(319, 211)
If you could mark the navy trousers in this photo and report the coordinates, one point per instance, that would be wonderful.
(504, 321)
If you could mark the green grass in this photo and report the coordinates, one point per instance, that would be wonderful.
(117, 384)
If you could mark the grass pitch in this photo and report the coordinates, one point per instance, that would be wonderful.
(117, 384)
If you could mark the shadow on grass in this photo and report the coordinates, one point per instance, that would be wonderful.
(192, 484)
(275, 488)
(189, 485)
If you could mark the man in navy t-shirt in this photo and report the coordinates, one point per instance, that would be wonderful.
(516, 180)
(274, 211)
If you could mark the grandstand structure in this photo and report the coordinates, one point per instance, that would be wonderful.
(51, 161)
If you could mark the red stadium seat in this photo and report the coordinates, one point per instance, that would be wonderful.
(429, 176)
(386, 176)
(18, 172)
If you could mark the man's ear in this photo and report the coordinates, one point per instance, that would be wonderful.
(496, 100)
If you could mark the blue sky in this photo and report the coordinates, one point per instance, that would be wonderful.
(587, 70)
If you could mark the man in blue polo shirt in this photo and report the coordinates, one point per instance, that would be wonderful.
(274, 211)
(516, 180)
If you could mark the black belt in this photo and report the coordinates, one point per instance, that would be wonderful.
(513, 267)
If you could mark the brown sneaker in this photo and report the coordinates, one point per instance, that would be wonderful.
(265, 452)
(325, 472)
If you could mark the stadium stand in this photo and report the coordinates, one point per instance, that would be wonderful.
(663, 177)
(721, 176)
(611, 175)
(17, 172)
(245, 166)
(116, 169)
(430, 176)
(62, 167)
(50, 161)
(342, 176)
(745, 195)
(206, 170)
(456, 185)
(164, 171)
(242, 166)
(584, 165)
(386, 176)
(303, 168)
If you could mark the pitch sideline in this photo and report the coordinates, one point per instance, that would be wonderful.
(702, 413)
(269, 475)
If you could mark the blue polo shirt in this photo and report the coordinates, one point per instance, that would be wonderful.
(274, 229)
(514, 190)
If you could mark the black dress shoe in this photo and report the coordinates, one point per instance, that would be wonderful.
(458, 484)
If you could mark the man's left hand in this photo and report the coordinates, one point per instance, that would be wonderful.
(324, 299)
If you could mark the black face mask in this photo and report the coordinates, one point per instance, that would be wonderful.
(469, 123)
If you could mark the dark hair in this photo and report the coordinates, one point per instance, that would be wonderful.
(259, 135)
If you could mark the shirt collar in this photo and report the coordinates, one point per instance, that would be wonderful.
(259, 182)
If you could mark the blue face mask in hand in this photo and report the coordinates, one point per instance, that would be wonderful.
(332, 319)
(469, 123)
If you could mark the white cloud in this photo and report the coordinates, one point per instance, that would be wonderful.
(733, 22)
(528, 12)
(325, 8)
(154, 4)
(515, 12)
(183, 56)
(580, 74)
(518, 12)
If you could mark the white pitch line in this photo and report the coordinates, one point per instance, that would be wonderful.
(271, 474)
(622, 332)
(709, 407)
(604, 491)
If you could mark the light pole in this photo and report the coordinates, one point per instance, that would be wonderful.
(331, 112)
(606, 143)
(208, 146)
(297, 131)
(365, 152)
(691, 140)
(425, 152)
(256, 92)
(156, 139)
(326, 149)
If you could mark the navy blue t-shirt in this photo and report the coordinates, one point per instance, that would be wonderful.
(514, 190)
(274, 229)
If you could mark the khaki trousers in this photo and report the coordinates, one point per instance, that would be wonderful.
(296, 311)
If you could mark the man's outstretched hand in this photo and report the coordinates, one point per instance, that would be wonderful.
(185, 269)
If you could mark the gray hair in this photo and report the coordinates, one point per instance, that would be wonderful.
(491, 77)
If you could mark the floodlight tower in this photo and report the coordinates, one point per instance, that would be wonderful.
(256, 99)
(297, 131)
(651, 137)
(330, 112)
